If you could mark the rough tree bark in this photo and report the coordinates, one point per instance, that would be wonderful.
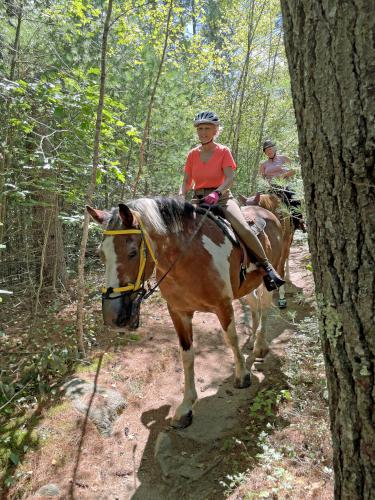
(331, 53)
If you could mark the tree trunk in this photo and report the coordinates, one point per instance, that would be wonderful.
(48, 241)
(236, 113)
(16, 44)
(193, 17)
(146, 130)
(92, 185)
(5, 159)
(254, 169)
(331, 53)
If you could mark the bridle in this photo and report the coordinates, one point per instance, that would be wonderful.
(145, 248)
(138, 286)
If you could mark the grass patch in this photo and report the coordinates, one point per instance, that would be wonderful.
(92, 366)
(59, 408)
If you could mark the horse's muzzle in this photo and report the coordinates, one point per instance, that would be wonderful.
(122, 311)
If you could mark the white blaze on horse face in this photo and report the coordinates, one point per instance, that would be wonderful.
(220, 256)
(111, 277)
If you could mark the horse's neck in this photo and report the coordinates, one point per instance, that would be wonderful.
(167, 250)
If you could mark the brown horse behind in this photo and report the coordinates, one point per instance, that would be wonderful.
(197, 267)
(273, 203)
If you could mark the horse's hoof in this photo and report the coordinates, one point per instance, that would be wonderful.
(282, 303)
(183, 422)
(246, 382)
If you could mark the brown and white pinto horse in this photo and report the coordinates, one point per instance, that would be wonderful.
(273, 203)
(199, 269)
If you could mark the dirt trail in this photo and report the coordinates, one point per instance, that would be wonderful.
(144, 458)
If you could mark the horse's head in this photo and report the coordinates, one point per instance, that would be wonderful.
(129, 261)
(252, 200)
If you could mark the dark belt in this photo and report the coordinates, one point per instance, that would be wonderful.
(203, 191)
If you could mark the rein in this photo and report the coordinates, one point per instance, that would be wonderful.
(153, 289)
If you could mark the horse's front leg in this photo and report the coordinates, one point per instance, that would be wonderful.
(183, 324)
(226, 318)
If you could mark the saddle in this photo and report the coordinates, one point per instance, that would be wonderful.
(216, 214)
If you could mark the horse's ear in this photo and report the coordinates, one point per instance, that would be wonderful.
(99, 216)
(257, 198)
(126, 215)
(253, 200)
(242, 199)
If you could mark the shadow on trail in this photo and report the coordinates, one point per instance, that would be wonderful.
(189, 463)
(226, 435)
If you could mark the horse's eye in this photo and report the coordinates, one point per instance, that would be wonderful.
(132, 254)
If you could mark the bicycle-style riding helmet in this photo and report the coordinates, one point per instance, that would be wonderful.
(268, 144)
(206, 117)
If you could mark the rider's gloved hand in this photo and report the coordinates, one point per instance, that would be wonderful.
(212, 198)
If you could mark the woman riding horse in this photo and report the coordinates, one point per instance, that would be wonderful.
(211, 167)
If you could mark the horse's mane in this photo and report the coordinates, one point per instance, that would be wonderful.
(270, 201)
(161, 214)
(273, 203)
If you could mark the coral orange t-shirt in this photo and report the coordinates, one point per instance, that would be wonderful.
(209, 174)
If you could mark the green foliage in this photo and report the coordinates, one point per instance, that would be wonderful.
(51, 111)
(233, 481)
(49, 91)
(38, 373)
(264, 405)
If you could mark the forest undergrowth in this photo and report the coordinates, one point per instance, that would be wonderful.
(283, 450)
(293, 458)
